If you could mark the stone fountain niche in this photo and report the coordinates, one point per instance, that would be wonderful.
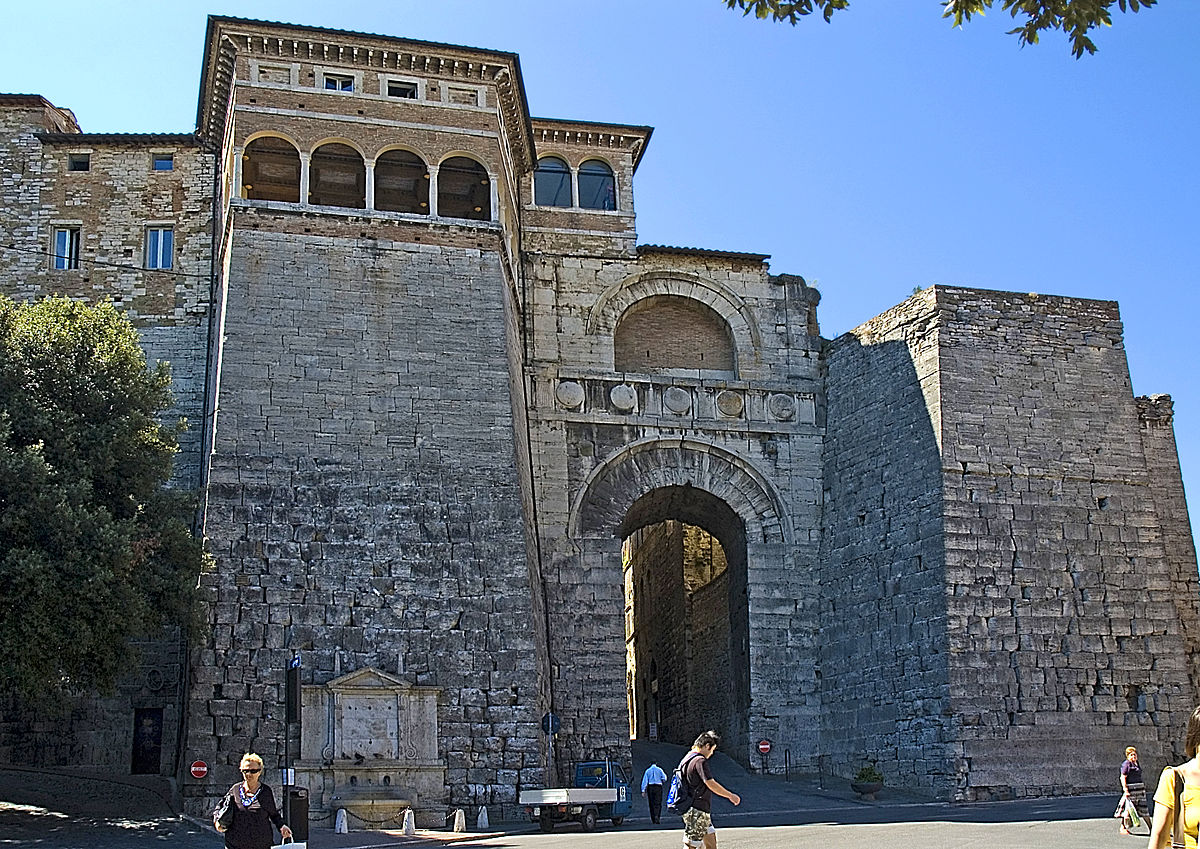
(369, 745)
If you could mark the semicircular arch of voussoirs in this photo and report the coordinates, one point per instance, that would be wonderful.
(611, 489)
(611, 305)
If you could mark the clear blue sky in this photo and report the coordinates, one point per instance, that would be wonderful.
(879, 153)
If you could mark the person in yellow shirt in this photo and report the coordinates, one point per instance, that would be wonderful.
(1164, 797)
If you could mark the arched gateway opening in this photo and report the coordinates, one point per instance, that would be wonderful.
(690, 538)
(686, 616)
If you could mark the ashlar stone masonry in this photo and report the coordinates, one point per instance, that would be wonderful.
(471, 455)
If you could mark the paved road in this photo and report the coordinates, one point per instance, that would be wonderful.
(45, 810)
(1030, 834)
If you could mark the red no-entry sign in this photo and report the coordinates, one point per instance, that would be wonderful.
(764, 747)
(199, 769)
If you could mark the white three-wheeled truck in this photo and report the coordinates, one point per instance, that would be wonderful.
(600, 792)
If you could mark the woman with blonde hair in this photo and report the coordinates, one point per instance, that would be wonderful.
(253, 809)
(1134, 795)
(1179, 787)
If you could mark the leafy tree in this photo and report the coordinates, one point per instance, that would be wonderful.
(94, 551)
(1076, 18)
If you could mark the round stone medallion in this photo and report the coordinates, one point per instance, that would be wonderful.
(623, 397)
(677, 400)
(782, 407)
(730, 404)
(569, 394)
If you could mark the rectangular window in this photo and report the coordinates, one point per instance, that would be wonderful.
(464, 96)
(66, 249)
(397, 88)
(79, 162)
(339, 82)
(277, 74)
(160, 243)
(163, 162)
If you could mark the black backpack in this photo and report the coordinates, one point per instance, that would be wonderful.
(679, 797)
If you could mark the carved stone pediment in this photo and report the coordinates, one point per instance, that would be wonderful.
(370, 717)
(367, 678)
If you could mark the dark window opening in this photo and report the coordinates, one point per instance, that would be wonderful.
(271, 171)
(337, 177)
(401, 183)
(552, 182)
(79, 162)
(339, 82)
(464, 190)
(597, 186)
(398, 88)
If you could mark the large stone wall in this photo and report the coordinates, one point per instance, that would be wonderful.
(363, 509)
(1006, 556)
(1156, 415)
(1066, 632)
(884, 653)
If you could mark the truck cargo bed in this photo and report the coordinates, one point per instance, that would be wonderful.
(569, 796)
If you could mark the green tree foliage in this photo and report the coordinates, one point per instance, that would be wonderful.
(94, 552)
(1076, 18)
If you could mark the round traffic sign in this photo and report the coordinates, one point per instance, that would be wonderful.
(551, 723)
(199, 769)
(764, 747)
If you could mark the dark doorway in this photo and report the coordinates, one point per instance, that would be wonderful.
(687, 617)
(147, 741)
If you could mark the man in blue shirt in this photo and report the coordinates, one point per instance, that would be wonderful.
(652, 789)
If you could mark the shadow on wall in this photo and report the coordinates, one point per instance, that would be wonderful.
(884, 677)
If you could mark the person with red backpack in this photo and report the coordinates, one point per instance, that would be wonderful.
(692, 788)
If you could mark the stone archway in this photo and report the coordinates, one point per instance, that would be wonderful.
(669, 489)
(603, 503)
(687, 616)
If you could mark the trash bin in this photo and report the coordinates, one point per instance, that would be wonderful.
(298, 813)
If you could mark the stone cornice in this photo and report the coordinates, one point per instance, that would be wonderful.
(228, 36)
(593, 134)
(136, 139)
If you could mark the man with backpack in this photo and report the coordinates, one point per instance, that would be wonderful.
(692, 787)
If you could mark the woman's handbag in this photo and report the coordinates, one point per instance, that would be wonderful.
(1134, 820)
(223, 815)
(1177, 824)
